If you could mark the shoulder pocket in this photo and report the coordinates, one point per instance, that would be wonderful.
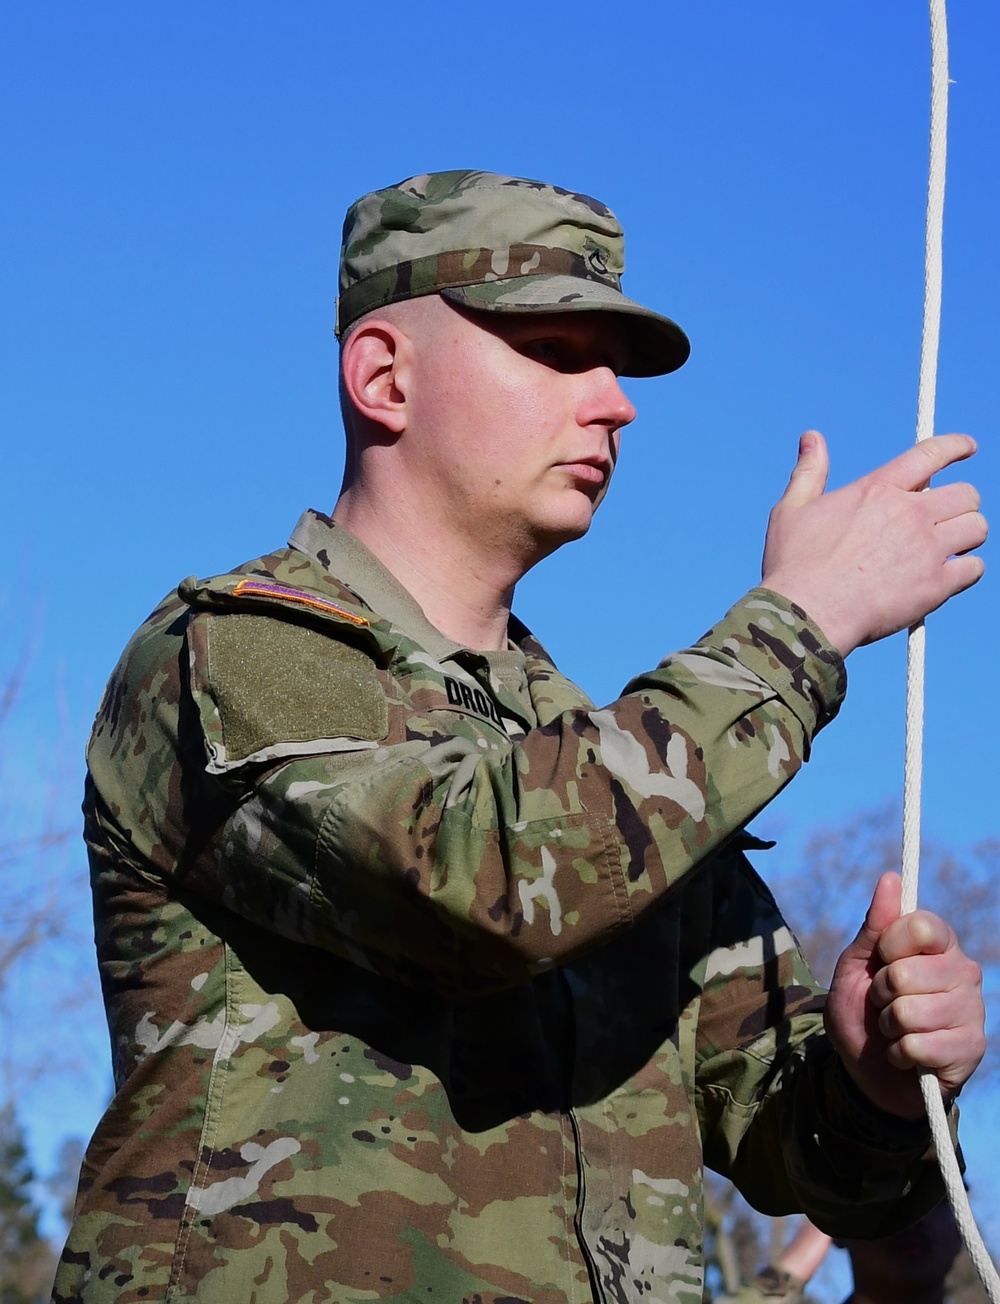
(267, 689)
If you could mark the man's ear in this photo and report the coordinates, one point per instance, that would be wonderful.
(373, 366)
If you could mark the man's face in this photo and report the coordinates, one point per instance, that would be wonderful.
(515, 422)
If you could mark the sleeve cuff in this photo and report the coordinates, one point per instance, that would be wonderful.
(858, 1171)
(881, 1133)
(775, 640)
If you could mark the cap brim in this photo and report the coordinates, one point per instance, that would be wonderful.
(655, 344)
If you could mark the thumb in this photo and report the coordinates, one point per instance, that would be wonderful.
(809, 474)
(884, 910)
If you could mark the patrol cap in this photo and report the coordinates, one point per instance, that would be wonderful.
(497, 244)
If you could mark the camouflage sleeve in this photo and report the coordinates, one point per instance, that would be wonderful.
(780, 1115)
(434, 851)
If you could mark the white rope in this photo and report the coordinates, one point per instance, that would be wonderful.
(913, 764)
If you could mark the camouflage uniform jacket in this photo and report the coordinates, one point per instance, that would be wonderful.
(412, 990)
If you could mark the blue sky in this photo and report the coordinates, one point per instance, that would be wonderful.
(173, 182)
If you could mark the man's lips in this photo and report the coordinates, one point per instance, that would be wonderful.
(589, 470)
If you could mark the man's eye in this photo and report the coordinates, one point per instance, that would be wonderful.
(544, 350)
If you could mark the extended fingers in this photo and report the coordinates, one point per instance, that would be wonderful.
(962, 533)
(946, 501)
(962, 572)
(914, 468)
(959, 528)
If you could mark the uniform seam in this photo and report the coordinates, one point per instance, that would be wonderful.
(616, 1180)
(209, 1130)
(616, 873)
(567, 1221)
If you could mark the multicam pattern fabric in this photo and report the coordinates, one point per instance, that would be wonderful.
(428, 980)
(499, 244)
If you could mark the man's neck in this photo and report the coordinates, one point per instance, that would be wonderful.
(464, 595)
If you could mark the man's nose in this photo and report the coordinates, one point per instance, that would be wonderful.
(608, 403)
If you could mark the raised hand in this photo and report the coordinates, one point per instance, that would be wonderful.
(904, 996)
(877, 555)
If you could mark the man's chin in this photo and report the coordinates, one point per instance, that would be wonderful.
(552, 540)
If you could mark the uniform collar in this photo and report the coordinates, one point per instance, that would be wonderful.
(347, 559)
(343, 556)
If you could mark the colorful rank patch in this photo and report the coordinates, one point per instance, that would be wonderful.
(262, 589)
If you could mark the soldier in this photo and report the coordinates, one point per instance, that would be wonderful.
(427, 979)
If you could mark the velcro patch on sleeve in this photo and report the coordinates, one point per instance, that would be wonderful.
(276, 683)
